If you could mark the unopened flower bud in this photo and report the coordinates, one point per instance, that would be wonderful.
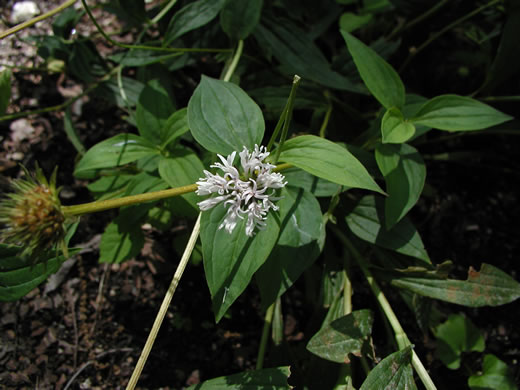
(31, 215)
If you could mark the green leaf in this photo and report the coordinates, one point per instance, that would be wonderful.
(455, 336)
(393, 372)
(18, 276)
(193, 15)
(297, 177)
(342, 337)
(120, 242)
(71, 132)
(267, 378)
(405, 174)
(351, 22)
(301, 237)
(495, 375)
(181, 170)
(367, 222)
(5, 90)
(175, 126)
(239, 18)
(378, 75)
(458, 113)
(230, 260)
(394, 128)
(115, 151)
(327, 160)
(299, 55)
(487, 287)
(223, 118)
(153, 110)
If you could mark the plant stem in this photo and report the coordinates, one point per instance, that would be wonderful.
(163, 12)
(164, 306)
(234, 62)
(418, 19)
(288, 116)
(101, 205)
(37, 19)
(268, 320)
(444, 30)
(144, 47)
(400, 334)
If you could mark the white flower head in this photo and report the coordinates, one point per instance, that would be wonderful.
(248, 194)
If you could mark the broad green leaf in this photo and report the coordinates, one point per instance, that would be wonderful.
(5, 90)
(108, 187)
(405, 174)
(181, 170)
(299, 55)
(342, 337)
(71, 132)
(230, 260)
(239, 18)
(394, 128)
(66, 21)
(301, 238)
(458, 113)
(495, 375)
(120, 242)
(393, 372)
(455, 336)
(175, 126)
(153, 110)
(378, 75)
(115, 151)
(267, 378)
(487, 287)
(124, 93)
(191, 16)
(223, 118)
(327, 160)
(351, 22)
(297, 177)
(367, 222)
(18, 276)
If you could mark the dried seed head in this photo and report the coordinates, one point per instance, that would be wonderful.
(31, 215)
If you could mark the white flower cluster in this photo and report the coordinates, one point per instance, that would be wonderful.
(245, 193)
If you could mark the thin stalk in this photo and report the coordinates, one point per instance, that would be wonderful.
(164, 306)
(288, 116)
(325, 122)
(347, 294)
(418, 19)
(21, 26)
(234, 61)
(163, 12)
(144, 47)
(268, 320)
(278, 127)
(444, 30)
(63, 105)
(400, 334)
(101, 205)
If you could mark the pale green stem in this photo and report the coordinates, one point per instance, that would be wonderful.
(164, 306)
(444, 30)
(268, 320)
(325, 122)
(37, 19)
(400, 334)
(163, 12)
(347, 294)
(234, 62)
(288, 116)
(101, 205)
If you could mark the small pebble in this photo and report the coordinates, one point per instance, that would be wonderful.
(24, 10)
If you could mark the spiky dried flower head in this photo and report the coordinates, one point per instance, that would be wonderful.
(31, 215)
